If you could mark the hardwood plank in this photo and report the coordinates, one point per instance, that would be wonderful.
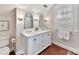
(54, 50)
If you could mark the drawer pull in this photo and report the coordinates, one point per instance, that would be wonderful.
(34, 40)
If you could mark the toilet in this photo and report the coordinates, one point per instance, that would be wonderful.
(4, 42)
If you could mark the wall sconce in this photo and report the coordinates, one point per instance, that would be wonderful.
(46, 19)
(36, 18)
(20, 18)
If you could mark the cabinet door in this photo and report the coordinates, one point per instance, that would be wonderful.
(34, 45)
(37, 44)
(30, 45)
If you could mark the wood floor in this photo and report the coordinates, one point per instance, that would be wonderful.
(54, 50)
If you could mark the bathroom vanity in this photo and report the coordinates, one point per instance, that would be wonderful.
(35, 42)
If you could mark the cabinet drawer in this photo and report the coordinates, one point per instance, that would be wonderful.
(46, 35)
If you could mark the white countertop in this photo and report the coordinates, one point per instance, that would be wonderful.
(31, 32)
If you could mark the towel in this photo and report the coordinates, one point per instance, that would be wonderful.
(63, 35)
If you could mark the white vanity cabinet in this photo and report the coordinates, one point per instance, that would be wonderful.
(33, 45)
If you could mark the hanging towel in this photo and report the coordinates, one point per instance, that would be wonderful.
(63, 35)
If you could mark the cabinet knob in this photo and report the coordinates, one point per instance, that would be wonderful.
(34, 40)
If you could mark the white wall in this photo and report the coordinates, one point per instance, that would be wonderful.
(72, 44)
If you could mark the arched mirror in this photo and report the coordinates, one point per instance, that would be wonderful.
(28, 20)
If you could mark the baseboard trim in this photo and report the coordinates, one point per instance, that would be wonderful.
(66, 47)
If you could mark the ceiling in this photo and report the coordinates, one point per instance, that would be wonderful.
(4, 8)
